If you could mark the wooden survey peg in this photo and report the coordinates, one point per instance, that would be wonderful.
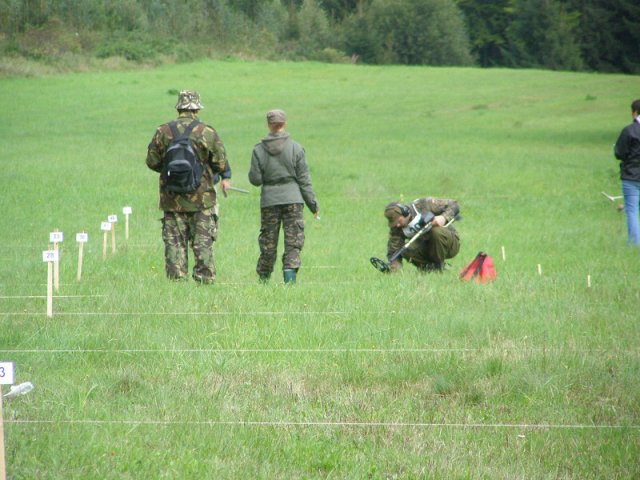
(126, 211)
(51, 258)
(106, 228)
(81, 238)
(113, 219)
(6, 378)
(56, 237)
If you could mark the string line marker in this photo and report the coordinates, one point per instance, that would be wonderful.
(254, 423)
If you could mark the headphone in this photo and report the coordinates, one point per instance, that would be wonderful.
(404, 210)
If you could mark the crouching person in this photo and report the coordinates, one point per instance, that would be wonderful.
(429, 251)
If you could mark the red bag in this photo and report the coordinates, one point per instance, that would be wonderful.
(481, 269)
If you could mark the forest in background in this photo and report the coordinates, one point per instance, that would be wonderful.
(577, 35)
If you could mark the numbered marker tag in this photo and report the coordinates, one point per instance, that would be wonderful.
(82, 237)
(105, 226)
(50, 256)
(127, 210)
(7, 373)
(112, 218)
(56, 237)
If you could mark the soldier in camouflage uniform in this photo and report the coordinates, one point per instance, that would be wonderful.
(189, 217)
(279, 166)
(429, 251)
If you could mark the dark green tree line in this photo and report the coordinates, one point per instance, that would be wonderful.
(598, 35)
(542, 34)
(609, 34)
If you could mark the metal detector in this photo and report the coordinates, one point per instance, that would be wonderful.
(613, 198)
(385, 267)
(234, 189)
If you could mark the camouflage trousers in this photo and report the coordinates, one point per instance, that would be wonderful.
(198, 229)
(291, 218)
(434, 247)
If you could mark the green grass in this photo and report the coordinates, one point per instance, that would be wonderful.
(349, 373)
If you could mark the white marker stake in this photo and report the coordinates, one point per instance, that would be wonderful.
(588, 281)
(56, 237)
(56, 270)
(51, 257)
(106, 228)
(6, 378)
(539, 269)
(49, 290)
(504, 255)
(126, 211)
(3, 471)
(113, 219)
(81, 238)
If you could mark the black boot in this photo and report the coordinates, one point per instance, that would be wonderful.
(264, 277)
(434, 267)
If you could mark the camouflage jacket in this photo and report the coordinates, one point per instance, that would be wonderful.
(211, 153)
(438, 206)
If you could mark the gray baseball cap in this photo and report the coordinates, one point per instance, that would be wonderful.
(276, 116)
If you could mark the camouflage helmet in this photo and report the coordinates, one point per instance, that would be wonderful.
(189, 100)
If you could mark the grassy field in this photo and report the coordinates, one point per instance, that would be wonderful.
(349, 373)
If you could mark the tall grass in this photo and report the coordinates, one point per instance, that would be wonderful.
(350, 373)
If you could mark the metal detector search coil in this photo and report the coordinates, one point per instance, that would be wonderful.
(380, 264)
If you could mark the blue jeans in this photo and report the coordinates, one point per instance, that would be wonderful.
(631, 192)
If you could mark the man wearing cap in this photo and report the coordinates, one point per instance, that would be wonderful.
(430, 250)
(189, 217)
(278, 165)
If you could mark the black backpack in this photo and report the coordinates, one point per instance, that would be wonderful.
(182, 167)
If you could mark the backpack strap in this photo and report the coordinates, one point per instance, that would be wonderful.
(174, 129)
(190, 127)
(173, 125)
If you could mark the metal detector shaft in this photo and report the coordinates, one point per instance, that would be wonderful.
(234, 189)
(427, 228)
(611, 197)
(385, 267)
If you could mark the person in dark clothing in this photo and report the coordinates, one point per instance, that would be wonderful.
(627, 150)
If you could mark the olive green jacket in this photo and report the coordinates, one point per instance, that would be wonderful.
(279, 166)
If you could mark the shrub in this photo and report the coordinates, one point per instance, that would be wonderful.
(419, 32)
(331, 55)
(49, 40)
(131, 46)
